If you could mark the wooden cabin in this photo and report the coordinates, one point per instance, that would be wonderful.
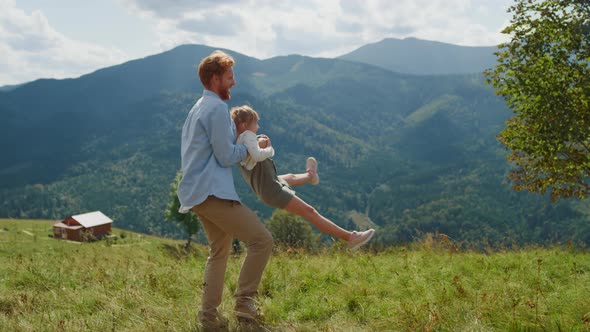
(83, 227)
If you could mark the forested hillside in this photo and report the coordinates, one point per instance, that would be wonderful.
(409, 154)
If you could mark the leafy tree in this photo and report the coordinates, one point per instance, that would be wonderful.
(189, 221)
(292, 231)
(543, 72)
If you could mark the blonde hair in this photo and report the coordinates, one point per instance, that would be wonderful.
(215, 63)
(243, 114)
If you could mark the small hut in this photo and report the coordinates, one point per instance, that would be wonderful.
(83, 227)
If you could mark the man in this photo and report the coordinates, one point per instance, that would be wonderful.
(208, 152)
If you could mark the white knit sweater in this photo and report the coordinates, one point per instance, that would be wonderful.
(255, 153)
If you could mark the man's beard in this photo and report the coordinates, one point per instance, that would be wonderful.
(224, 94)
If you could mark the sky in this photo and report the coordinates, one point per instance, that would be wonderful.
(70, 38)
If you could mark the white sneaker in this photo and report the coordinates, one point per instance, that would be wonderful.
(312, 168)
(360, 238)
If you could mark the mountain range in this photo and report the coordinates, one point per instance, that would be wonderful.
(9, 87)
(405, 146)
(423, 57)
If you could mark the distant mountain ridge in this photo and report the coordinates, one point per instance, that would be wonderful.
(423, 57)
(9, 87)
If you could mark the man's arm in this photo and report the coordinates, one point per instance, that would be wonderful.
(218, 124)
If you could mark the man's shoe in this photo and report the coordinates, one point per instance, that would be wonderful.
(358, 239)
(212, 322)
(312, 168)
(246, 310)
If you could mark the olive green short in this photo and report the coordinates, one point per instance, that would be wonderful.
(269, 188)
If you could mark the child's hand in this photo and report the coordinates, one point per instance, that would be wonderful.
(263, 141)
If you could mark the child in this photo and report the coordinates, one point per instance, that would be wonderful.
(274, 190)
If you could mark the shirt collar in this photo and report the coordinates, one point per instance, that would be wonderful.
(210, 93)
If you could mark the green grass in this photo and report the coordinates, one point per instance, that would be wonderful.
(142, 283)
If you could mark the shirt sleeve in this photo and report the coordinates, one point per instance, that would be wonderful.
(256, 153)
(222, 137)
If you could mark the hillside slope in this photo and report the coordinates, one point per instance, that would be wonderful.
(142, 283)
(413, 154)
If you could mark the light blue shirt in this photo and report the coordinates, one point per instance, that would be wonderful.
(208, 152)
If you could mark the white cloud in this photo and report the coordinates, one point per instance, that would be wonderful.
(32, 49)
(265, 28)
(173, 9)
(216, 24)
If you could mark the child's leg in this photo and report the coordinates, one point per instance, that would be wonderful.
(310, 176)
(295, 180)
(297, 206)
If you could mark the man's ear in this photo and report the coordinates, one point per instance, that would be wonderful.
(214, 82)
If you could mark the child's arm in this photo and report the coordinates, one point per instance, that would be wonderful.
(256, 153)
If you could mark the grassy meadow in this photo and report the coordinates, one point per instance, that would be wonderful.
(142, 283)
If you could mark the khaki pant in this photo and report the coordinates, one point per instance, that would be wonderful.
(222, 220)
